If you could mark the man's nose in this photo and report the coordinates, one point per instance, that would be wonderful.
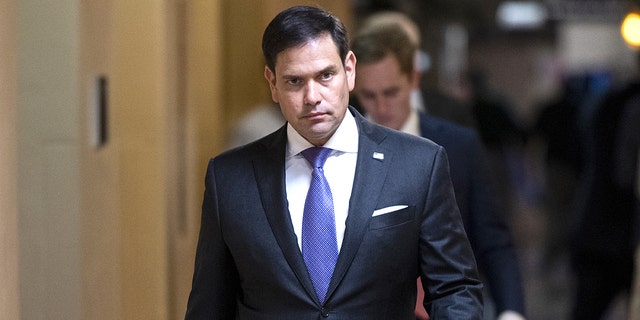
(382, 105)
(312, 94)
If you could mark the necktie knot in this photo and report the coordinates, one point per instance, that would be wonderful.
(316, 156)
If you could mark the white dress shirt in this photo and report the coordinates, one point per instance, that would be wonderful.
(339, 169)
(412, 125)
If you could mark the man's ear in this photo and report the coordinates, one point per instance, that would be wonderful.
(271, 79)
(350, 69)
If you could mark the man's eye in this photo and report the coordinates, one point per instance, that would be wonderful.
(368, 96)
(327, 75)
(293, 81)
(391, 93)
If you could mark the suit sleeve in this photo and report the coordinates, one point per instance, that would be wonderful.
(215, 278)
(448, 268)
(491, 237)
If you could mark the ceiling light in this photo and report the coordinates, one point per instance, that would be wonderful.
(521, 15)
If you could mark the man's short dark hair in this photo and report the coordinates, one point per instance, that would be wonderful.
(298, 25)
(376, 42)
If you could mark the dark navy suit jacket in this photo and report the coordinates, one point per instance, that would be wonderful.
(481, 209)
(249, 264)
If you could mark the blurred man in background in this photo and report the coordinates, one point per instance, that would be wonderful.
(387, 78)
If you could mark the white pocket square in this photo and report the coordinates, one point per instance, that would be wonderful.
(388, 209)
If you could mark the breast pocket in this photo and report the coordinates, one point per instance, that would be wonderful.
(392, 219)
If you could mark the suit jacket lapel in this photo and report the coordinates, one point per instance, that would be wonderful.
(367, 185)
(269, 170)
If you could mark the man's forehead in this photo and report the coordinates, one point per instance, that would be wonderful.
(385, 68)
(322, 47)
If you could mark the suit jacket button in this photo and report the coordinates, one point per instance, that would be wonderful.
(325, 312)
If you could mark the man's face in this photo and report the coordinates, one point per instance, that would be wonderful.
(312, 87)
(385, 92)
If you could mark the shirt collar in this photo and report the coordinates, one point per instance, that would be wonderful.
(412, 125)
(345, 138)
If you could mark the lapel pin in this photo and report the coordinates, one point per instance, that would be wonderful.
(378, 156)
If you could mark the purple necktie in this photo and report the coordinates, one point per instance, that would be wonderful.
(319, 244)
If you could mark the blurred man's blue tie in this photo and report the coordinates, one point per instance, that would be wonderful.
(319, 244)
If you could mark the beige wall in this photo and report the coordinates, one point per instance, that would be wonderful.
(142, 190)
(202, 56)
(102, 235)
(48, 174)
(9, 292)
(133, 186)
(140, 115)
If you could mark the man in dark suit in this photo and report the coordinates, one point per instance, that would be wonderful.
(601, 233)
(392, 202)
(386, 78)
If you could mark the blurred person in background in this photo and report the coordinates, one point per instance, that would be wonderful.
(256, 123)
(504, 138)
(601, 234)
(627, 176)
(425, 98)
(558, 130)
(386, 79)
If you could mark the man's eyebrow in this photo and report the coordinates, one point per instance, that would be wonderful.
(391, 90)
(367, 93)
(331, 68)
